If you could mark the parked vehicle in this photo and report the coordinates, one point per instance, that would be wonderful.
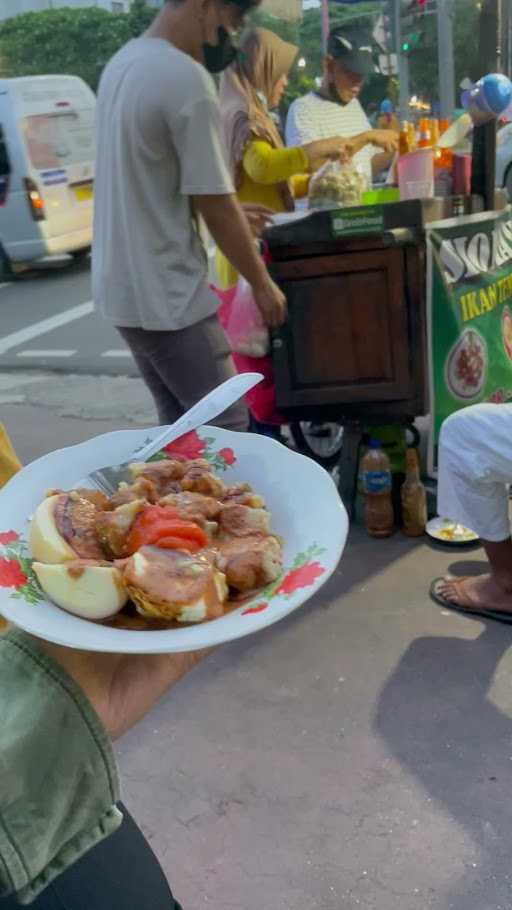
(46, 168)
(504, 158)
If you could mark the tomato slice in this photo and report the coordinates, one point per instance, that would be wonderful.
(178, 543)
(151, 514)
(156, 523)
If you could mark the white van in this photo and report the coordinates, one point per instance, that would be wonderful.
(46, 168)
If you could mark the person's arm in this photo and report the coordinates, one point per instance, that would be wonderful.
(60, 708)
(122, 688)
(204, 176)
(229, 228)
(387, 140)
(267, 165)
(258, 216)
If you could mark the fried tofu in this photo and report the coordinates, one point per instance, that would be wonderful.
(193, 506)
(165, 474)
(243, 521)
(250, 562)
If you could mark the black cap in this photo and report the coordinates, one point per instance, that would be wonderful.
(353, 49)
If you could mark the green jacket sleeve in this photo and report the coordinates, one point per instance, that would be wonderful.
(58, 779)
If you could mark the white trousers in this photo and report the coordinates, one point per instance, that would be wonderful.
(475, 466)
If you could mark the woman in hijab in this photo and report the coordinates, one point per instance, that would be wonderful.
(264, 171)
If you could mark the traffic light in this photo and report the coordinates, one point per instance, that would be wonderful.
(410, 42)
(412, 14)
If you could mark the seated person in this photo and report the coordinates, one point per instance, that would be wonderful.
(475, 468)
(334, 110)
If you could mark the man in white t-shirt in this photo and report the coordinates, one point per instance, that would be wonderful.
(334, 110)
(160, 167)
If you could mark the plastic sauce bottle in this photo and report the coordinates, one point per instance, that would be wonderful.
(443, 161)
(413, 140)
(444, 123)
(414, 497)
(425, 137)
(404, 141)
(376, 477)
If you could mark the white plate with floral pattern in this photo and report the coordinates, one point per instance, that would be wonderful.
(306, 512)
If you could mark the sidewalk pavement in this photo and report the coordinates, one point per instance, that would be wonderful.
(356, 756)
(45, 411)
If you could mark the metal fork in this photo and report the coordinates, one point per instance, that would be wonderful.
(216, 402)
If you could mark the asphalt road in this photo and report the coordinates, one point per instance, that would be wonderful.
(47, 322)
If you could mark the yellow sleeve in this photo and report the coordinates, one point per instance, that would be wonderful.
(300, 185)
(267, 165)
(9, 463)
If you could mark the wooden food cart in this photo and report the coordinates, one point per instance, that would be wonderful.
(354, 347)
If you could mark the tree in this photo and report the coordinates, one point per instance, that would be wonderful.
(80, 41)
(77, 42)
(140, 17)
(423, 61)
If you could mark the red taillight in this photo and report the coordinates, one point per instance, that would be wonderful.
(34, 200)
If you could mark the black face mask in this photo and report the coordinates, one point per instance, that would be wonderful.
(218, 57)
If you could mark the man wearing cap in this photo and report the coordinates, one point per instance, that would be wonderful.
(334, 110)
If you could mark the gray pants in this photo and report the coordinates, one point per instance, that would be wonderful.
(180, 367)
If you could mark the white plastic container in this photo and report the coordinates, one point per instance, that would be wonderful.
(416, 174)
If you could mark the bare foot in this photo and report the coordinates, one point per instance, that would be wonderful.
(477, 592)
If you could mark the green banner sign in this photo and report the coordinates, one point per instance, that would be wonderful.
(470, 315)
(369, 219)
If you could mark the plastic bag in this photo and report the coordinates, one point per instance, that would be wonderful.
(242, 321)
(336, 185)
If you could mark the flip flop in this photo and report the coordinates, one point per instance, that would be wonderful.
(497, 615)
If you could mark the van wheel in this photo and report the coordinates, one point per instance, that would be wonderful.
(6, 272)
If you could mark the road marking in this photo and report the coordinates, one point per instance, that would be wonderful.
(5, 284)
(45, 353)
(45, 325)
(116, 354)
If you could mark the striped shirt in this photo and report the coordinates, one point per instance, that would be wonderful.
(312, 117)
